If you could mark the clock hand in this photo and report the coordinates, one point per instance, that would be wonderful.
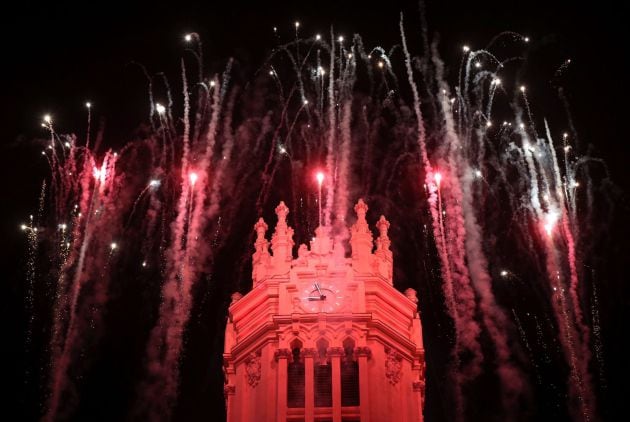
(318, 289)
(321, 295)
(314, 297)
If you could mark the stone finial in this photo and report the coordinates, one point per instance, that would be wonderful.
(236, 296)
(383, 242)
(383, 252)
(261, 228)
(282, 211)
(382, 225)
(411, 295)
(260, 258)
(361, 209)
(361, 236)
(282, 241)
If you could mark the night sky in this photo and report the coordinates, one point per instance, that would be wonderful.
(57, 55)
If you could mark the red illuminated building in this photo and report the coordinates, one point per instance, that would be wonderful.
(324, 336)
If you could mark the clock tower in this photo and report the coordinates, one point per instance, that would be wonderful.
(324, 336)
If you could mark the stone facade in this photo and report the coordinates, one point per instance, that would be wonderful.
(323, 308)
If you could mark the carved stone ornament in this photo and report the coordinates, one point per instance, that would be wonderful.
(282, 354)
(393, 366)
(252, 369)
(418, 386)
(335, 351)
(363, 351)
(309, 352)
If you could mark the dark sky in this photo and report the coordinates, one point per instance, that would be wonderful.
(58, 54)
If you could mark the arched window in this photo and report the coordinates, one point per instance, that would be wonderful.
(295, 376)
(349, 375)
(323, 376)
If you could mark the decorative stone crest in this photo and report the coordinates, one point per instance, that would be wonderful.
(253, 368)
(393, 366)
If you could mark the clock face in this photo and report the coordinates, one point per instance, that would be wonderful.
(322, 297)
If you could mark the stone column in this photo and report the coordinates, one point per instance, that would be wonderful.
(335, 354)
(309, 383)
(282, 357)
(228, 392)
(363, 354)
(418, 391)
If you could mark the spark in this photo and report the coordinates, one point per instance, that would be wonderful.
(160, 108)
(504, 273)
(478, 173)
(63, 226)
(567, 148)
(477, 65)
(305, 102)
(320, 177)
(212, 83)
(496, 81)
(271, 73)
(318, 37)
(188, 37)
(321, 71)
(526, 39)
(565, 135)
(488, 123)
(99, 174)
(154, 183)
(550, 221)
(47, 118)
(466, 49)
(282, 149)
(340, 38)
(144, 263)
(67, 144)
(381, 64)
(522, 88)
(438, 179)
(23, 227)
(349, 55)
(88, 104)
(193, 178)
(113, 246)
(297, 24)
